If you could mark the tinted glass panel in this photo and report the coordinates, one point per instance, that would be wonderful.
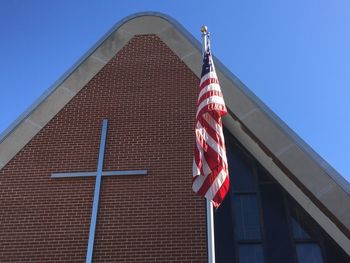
(298, 231)
(278, 241)
(309, 253)
(303, 226)
(251, 254)
(224, 236)
(246, 216)
(240, 168)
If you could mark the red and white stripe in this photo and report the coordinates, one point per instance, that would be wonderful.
(210, 171)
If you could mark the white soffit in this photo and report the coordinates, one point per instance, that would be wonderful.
(248, 113)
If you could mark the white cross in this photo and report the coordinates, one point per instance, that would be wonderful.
(99, 173)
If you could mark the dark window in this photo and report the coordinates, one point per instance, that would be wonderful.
(224, 235)
(306, 236)
(242, 205)
(251, 253)
(240, 168)
(298, 231)
(279, 244)
(309, 253)
(260, 222)
(247, 217)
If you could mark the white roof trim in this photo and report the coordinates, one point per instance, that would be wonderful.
(314, 173)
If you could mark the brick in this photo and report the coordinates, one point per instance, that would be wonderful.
(149, 97)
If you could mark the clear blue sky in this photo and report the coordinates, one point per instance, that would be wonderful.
(294, 55)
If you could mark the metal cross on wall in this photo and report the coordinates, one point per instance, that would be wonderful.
(99, 173)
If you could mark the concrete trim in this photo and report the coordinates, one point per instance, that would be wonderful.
(33, 123)
(254, 114)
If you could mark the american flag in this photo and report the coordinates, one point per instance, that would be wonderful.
(210, 171)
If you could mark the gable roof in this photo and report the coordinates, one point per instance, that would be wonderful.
(315, 185)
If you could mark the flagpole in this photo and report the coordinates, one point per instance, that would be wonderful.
(210, 232)
(209, 205)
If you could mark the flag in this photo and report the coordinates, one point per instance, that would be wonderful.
(210, 171)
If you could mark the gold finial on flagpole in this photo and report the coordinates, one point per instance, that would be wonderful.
(205, 36)
(204, 29)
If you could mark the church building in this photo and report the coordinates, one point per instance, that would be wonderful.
(99, 168)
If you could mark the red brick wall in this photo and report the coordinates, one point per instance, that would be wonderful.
(149, 97)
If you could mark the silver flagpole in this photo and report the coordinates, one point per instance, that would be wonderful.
(210, 232)
(210, 208)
